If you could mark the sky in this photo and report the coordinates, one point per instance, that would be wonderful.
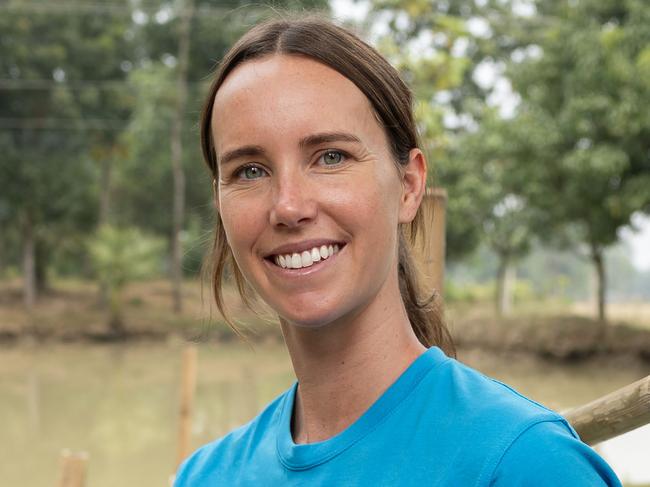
(639, 241)
(636, 238)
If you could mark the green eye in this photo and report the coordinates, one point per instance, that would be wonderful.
(251, 172)
(332, 157)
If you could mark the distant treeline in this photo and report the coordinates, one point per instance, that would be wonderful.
(533, 115)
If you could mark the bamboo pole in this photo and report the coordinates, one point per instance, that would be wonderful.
(176, 146)
(614, 414)
(430, 245)
(188, 387)
(73, 469)
(437, 247)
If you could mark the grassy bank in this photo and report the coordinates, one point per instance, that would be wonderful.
(72, 311)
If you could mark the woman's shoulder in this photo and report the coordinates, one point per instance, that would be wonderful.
(471, 394)
(229, 451)
(514, 439)
(550, 453)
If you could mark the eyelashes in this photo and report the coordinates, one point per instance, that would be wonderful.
(250, 172)
(330, 158)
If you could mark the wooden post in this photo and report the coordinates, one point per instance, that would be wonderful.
(614, 414)
(176, 141)
(188, 387)
(73, 469)
(430, 253)
(439, 196)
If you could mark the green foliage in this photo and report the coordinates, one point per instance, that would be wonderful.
(474, 293)
(123, 255)
(425, 42)
(573, 163)
(584, 100)
(120, 256)
(85, 87)
(469, 293)
(47, 171)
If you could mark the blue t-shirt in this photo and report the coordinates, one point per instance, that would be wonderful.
(440, 423)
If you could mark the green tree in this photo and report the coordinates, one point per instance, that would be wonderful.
(121, 256)
(583, 121)
(504, 216)
(52, 108)
(66, 101)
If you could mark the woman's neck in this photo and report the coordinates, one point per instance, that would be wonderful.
(343, 368)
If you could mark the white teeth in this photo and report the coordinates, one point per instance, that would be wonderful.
(306, 258)
(315, 255)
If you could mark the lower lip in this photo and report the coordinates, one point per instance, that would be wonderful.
(305, 271)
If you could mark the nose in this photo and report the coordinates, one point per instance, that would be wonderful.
(293, 202)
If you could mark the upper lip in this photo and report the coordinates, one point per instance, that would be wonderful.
(297, 247)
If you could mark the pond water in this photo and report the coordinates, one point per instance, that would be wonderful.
(119, 403)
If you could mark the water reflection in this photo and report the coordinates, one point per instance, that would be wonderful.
(120, 404)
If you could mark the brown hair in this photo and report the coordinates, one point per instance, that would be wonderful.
(391, 99)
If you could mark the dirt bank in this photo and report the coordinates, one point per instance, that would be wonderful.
(553, 337)
(71, 312)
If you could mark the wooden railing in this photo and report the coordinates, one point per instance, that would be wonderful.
(614, 414)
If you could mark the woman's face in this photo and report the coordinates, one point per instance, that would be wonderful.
(304, 170)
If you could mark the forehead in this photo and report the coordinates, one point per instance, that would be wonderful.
(288, 95)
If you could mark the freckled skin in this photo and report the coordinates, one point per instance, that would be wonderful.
(273, 103)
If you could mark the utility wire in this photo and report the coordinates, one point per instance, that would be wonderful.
(65, 124)
(105, 8)
(44, 84)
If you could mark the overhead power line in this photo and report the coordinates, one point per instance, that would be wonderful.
(106, 8)
(72, 124)
(44, 84)
(63, 123)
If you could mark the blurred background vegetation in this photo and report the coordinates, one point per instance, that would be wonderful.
(534, 117)
(533, 114)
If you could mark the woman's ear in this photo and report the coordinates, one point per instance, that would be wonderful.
(414, 181)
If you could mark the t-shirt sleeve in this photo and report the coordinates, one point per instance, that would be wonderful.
(548, 454)
(193, 470)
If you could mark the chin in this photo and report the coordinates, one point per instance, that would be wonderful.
(306, 322)
(312, 320)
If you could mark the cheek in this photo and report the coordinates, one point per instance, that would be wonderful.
(369, 202)
(243, 219)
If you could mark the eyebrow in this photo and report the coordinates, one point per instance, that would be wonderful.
(245, 151)
(305, 142)
(326, 137)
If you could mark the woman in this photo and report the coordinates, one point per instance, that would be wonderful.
(310, 138)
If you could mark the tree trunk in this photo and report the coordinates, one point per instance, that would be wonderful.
(105, 190)
(116, 320)
(2, 254)
(104, 211)
(505, 285)
(177, 155)
(598, 259)
(29, 263)
(41, 254)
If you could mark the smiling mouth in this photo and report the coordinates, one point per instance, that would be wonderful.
(306, 258)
